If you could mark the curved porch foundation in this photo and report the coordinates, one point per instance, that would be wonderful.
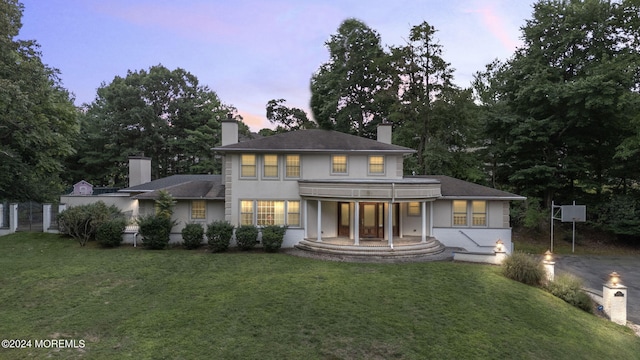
(402, 248)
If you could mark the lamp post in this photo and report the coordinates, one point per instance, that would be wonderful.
(549, 265)
(614, 298)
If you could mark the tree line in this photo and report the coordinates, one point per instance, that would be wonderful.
(558, 120)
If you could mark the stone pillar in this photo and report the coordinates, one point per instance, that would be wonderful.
(46, 217)
(500, 252)
(13, 217)
(549, 265)
(614, 298)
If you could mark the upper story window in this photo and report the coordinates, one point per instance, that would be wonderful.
(292, 166)
(339, 164)
(198, 209)
(248, 165)
(270, 166)
(376, 165)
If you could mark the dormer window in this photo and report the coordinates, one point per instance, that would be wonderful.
(270, 166)
(376, 165)
(248, 165)
(339, 164)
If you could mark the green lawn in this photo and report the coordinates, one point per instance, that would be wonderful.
(141, 304)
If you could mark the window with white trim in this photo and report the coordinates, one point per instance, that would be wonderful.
(479, 213)
(293, 213)
(198, 209)
(339, 164)
(246, 212)
(413, 209)
(376, 165)
(270, 166)
(459, 213)
(270, 212)
(248, 165)
(292, 166)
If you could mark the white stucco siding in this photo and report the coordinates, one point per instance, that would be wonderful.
(318, 166)
(442, 213)
(474, 239)
(411, 225)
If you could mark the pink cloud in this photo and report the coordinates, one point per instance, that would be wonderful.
(254, 122)
(496, 25)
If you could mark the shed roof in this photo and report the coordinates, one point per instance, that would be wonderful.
(455, 188)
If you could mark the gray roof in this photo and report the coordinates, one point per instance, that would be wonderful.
(456, 188)
(182, 187)
(313, 140)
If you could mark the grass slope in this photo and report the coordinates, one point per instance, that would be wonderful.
(134, 303)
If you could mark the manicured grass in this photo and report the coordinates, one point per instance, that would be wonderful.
(135, 303)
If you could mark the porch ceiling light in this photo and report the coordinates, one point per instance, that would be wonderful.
(548, 256)
(614, 278)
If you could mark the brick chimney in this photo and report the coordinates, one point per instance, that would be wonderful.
(139, 170)
(385, 132)
(229, 130)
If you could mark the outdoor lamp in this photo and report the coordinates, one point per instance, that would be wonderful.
(548, 256)
(499, 245)
(614, 277)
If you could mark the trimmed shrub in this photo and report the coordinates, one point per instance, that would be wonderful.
(247, 237)
(524, 268)
(109, 234)
(155, 231)
(569, 288)
(219, 235)
(272, 237)
(192, 235)
(82, 222)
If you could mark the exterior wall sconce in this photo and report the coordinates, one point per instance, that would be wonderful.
(499, 246)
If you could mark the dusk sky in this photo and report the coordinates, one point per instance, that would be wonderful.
(251, 51)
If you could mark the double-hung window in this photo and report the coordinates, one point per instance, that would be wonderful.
(248, 165)
(475, 210)
(246, 212)
(270, 166)
(339, 164)
(292, 166)
(198, 209)
(376, 165)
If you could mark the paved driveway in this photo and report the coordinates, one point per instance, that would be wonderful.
(595, 270)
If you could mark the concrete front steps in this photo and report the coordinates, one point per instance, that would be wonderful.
(431, 247)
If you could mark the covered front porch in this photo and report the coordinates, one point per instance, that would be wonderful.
(368, 212)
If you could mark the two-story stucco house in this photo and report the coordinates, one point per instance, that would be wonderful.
(336, 189)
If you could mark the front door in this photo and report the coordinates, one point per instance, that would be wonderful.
(371, 220)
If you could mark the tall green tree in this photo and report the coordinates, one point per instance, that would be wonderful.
(286, 118)
(348, 92)
(37, 116)
(161, 113)
(431, 114)
(568, 96)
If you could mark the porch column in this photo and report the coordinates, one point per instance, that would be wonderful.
(304, 218)
(356, 224)
(431, 218)
(424, 222)
(319, 221)
(390, 222)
